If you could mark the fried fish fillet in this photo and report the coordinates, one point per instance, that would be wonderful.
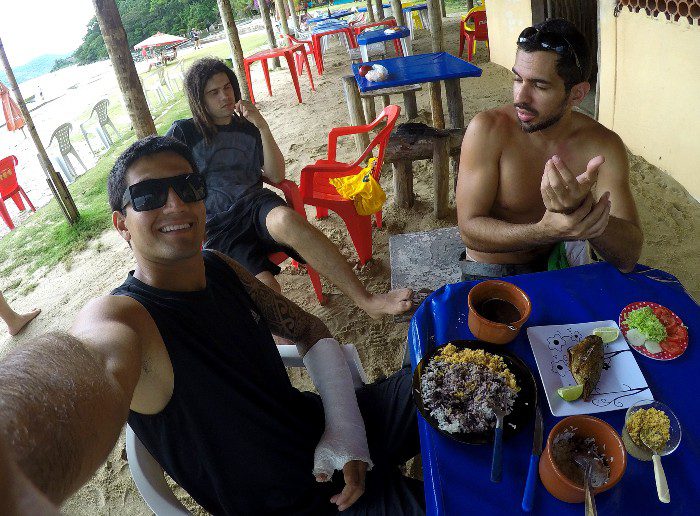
(586, 363)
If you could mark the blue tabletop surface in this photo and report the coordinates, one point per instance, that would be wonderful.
(329, 25)
(415, 7)
(373, 36)
(457, 475)
(364, 9)
(418, 68)
(333, 15)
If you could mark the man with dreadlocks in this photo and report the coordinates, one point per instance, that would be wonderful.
(525, 195)
(234, 148)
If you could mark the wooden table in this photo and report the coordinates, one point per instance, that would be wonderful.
(288, 53)
(425, 68)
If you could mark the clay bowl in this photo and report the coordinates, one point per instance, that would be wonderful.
(608, 441)
(492, 331)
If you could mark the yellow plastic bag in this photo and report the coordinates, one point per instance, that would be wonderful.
(363, 189)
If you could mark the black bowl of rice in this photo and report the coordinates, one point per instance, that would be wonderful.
(457, 386)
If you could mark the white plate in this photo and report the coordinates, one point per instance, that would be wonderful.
(621, 383)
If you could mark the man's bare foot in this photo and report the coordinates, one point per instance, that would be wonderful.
(392, 303)
(18, 323)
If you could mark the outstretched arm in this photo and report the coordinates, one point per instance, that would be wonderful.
(64, 399)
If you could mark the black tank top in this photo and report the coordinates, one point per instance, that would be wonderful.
(235, 434)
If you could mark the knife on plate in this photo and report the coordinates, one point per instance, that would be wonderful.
(532, 472)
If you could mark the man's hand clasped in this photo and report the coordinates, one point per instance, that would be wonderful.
(247, 110)
(571, 210)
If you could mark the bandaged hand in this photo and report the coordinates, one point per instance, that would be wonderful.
(344, 438)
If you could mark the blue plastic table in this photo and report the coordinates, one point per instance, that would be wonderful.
(422, 10)
(379, 35)
(332, 16)
(425, 68)
(364, 9)
(457, 475)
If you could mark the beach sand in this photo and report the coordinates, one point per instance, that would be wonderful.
(669, 217)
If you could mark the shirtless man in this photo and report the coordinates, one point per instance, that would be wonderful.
(528, 170)
(234, 149)
(183, 349)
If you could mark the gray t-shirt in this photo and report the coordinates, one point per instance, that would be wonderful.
(231, 164)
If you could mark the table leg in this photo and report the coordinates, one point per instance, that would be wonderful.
(403, 184)
(455, 107)
(266, 73)
(397, 48)
(424, 18)
(407, 46)
(410, 104)
(250, 83)
(308, 69)
(436, 105)
(370, 111)
(357, 117)
(441, 177)
(364, 53)
(386, 100)
(317, 54)
(293, 71)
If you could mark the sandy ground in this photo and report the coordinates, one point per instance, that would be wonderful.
(669, 216)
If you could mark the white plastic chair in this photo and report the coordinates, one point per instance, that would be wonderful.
(147, 473)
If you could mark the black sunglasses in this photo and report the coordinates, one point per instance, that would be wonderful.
(549, 41)
(153, 193)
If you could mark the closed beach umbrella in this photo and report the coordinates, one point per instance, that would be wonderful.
(158, 40)
(13, 115)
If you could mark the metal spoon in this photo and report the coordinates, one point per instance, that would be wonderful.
(586, 464)
(659, 475)
(496, 462)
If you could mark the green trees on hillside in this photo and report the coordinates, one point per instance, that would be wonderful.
(143, 18)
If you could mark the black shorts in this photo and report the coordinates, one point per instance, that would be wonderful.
(241, 232)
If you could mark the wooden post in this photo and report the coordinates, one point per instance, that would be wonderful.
(455, 107)
(403, 184)
(370, 12)
(124, 69)
(370, 110)
(397, 12)
(234, 43)
(436, 105)
(265, 15)
(58, 187)
(357, 117)
(293, 13)
(282, 14)
(386, 100)
(435, 15)
(441, 178)
(379, 8)
(410, 105)
(443, 8)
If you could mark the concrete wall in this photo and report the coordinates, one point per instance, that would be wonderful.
(649, 81)
(650, 89)
(507, 19)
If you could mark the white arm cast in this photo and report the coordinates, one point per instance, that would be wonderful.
(344, 438)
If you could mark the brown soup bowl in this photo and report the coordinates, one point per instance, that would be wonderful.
(492, 331)
(609, 444)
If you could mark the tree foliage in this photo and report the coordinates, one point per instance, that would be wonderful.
(143, 18)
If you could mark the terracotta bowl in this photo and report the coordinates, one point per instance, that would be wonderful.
(491, 331)
(607, 439)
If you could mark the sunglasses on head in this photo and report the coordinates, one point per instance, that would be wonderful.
(549, 41)
(153, 193)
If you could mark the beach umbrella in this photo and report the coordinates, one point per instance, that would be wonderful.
(13, 115)
(160, 39)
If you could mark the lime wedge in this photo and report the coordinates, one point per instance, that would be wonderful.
(608, 334)
(571, 393)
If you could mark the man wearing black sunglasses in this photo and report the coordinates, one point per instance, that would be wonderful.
(183, 351)
(540, 183)
(234, 149)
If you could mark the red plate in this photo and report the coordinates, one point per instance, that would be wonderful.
(674, 345)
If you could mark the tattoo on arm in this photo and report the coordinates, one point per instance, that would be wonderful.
(284, 318)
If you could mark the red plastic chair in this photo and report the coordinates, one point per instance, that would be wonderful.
(298, 58)
(469, 34)
(293, 198)
(317, 191)
(9, 188)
